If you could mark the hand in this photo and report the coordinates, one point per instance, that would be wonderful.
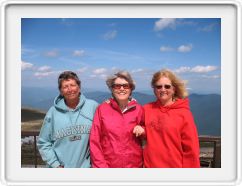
(138, 130)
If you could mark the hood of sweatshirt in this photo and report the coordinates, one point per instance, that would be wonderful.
(178, 104)
(59, 103)
(86, 106)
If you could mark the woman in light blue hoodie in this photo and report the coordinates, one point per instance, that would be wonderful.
(64, 136)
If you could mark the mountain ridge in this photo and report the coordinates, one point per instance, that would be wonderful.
(206, 109)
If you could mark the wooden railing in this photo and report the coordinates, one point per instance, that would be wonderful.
(213, 162)
(34, 134)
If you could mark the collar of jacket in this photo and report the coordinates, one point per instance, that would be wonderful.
(131, 104)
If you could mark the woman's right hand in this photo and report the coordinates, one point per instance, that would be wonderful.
(138, 130)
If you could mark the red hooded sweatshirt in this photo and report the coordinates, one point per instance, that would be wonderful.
(112, 142)
(172, 139)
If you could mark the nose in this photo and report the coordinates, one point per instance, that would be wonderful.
(122, 87)
(69, 88)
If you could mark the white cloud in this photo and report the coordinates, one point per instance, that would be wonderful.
(44, 68)
(183, 70)
(165, 23)
(165, 49)
(103, 76)
(83, 69)
(215, 76)
(100, 71)
(172, 23)
(25, 65)
(196, 69)
(212, 77)
(43, 74)
(53, 53)
(185, 48)
(203, 69)
(110, 35)
(78, 53)
(185, 22)
(138, 70)
(207, 28)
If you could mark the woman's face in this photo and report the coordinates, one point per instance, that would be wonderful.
(121, 90)
(164, 90)
(70, 89)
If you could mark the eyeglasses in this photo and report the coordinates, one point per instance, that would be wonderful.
(118, 86)
(166, 86)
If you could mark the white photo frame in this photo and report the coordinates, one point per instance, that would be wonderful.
(11, 14)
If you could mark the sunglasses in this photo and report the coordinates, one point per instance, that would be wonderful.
(118, 86)
(166, 86)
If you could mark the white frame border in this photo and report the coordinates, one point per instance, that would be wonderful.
(236, 3)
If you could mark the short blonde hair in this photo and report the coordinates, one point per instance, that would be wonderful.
(180, 89)
(120, 74)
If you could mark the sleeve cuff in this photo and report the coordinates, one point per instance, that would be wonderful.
(55, 164)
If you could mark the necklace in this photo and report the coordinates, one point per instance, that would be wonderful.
(74, 137)
(76, 117)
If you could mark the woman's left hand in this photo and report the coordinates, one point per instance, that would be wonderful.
(138, 130)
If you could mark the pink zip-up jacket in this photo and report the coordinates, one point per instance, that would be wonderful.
(112, 142)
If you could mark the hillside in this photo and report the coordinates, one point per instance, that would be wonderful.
(28, 114)
(31, 119)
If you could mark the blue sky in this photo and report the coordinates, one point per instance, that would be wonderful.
(96, 48)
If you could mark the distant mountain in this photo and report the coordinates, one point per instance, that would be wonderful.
(206, 109)
(39, 98)
(143, 98)
(98, 96)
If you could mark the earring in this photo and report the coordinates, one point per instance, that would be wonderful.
(173, 97)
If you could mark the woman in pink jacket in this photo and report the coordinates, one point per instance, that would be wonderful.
(118, 127)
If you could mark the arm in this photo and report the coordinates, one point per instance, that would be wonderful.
(44, 142)
(190, 143)
(139, 130)
(97, 158)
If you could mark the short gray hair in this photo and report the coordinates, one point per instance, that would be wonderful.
(68, 75)
(120, 74)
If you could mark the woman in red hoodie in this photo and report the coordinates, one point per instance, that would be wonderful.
(172, 139)
(115, 139)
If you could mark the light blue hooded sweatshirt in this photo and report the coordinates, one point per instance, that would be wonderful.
(64, 136)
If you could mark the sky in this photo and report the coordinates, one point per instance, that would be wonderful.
(96, 48)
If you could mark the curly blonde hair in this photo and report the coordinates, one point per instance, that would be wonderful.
(178, 84)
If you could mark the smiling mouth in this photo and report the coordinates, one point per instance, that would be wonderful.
(71, 94)
(122, 93)
(163, 94)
